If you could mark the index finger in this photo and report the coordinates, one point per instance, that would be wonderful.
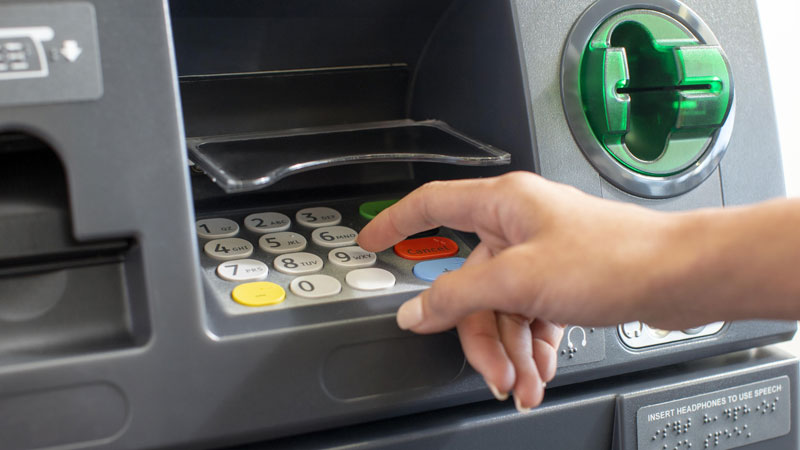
(439, 203)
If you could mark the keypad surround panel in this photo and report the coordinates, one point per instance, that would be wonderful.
(220, 289)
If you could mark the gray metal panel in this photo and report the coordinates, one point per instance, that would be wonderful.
(736, 375)
(543, 28)
(751, 170)
(574, 417)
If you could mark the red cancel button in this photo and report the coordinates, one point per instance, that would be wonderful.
(426, 248)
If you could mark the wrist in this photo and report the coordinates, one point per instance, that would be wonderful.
(681, 269)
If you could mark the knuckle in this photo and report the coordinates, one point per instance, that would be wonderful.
(517, 319)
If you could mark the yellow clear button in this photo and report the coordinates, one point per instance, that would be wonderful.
(260, 293)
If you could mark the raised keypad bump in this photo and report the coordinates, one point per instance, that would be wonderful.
(259, 293)
(228, 249)
(315, 286)
(267, 222)
(431, 270)
(298, 263)
(282, 242)
(352, 257)
(242, 270)
(337, 236)
(371, 279)
(216, 228)
(319, 216)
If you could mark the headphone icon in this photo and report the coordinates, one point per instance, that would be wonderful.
(570, 344)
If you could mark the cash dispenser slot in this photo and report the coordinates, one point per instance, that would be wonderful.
(281, 89)
(58, 296)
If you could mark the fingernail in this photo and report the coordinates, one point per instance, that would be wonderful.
(500, 396)
(410, 313)
(520, 408)
(544, 384)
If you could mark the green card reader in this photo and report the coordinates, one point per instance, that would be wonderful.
(649, 97)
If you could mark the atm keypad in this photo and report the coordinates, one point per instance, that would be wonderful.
(217, 228)
(371, 279)
(315, 286)
(334, 236)
(242, 270)
(228, 249)
(296, 257)
(283, 242)
(267, 222)
(298, 263)
(318, 217)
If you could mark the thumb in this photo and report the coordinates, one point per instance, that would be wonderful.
(499, 283)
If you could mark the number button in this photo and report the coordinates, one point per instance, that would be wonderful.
(297, 263)
(352, 257)
(371, 279)
(228, 249)
(260, 293)
(267, 222)
(318, 217)
(216, 228)
(242, 270)
(283, 242)
(315, 286)
(334, 236)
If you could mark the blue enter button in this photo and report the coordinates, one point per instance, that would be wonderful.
(430, 270)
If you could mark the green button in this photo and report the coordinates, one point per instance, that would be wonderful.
(369, 210)
(653, 94)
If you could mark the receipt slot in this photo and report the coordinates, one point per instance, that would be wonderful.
(649, 96)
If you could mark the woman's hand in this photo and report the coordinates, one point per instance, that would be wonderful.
(549, 254)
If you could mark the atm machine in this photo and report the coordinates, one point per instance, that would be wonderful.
(181, 184)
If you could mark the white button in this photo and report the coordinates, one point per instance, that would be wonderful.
(228, 249)
(17, 56)
(14, 46)
(20, 66)
(216, 228)
(297, 263)
(242, 270)
(315, 286)
(283, 242)
(334, 236)
(3, 67)
(318, 217)
(370, 279)
(352, 257)
(267, 222)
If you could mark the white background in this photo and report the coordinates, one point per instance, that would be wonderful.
(779, 19)
(780, 23)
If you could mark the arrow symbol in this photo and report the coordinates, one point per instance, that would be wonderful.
(71, 50)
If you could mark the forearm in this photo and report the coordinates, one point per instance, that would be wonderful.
(729, 264)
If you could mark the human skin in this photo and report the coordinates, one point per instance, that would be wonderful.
(551, 254)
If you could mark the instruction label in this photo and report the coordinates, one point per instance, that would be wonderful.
(722, 420)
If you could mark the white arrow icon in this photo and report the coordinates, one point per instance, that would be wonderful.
(71, 50)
